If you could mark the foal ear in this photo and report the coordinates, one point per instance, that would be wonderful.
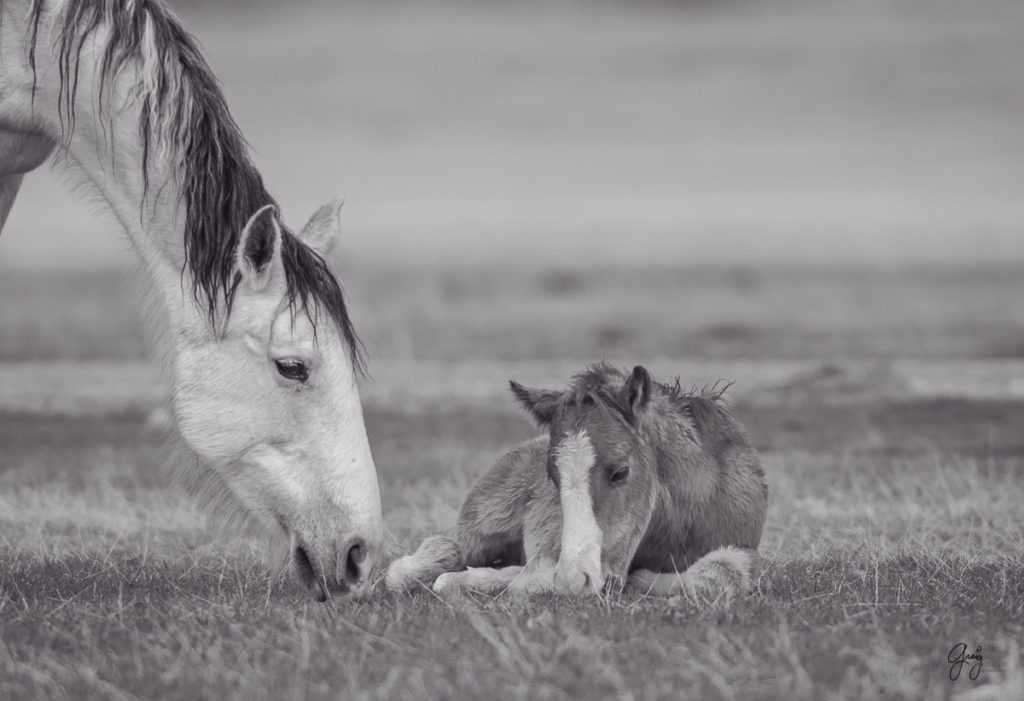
(259, 248)
(638, 390)
(541, 403)
(323, 228)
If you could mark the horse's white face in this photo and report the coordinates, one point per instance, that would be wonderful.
(273, 407)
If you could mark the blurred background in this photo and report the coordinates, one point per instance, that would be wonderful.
(561, 178)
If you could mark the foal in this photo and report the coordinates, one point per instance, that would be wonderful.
(637, 483)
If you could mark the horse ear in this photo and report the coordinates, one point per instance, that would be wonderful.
(638, 390)
(259, 248)
(541, 403)
(324, 227)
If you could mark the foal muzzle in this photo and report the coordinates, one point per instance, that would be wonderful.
(580, 572)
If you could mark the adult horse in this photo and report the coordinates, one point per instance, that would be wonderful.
(260, 350)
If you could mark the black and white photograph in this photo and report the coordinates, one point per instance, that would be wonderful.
(524, 350)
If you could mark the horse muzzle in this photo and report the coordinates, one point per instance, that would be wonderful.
(341, 567)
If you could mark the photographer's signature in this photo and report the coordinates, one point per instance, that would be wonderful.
(958, 657)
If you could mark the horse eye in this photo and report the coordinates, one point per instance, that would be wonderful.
(620, 475)
(292, 369)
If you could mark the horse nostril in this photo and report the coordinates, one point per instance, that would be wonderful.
(307, 575)
(353, 559)
(586, 582)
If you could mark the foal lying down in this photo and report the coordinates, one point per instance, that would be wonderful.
(637, 484)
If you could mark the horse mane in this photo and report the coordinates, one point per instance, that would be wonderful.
(184, 120)
(598, 384)
(704, 406)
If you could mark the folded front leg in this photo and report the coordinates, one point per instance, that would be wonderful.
(436, 555)
(536, 577)
(485, 580)
(721, 574)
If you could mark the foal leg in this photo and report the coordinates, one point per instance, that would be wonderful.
(534, 533)
(477, 543)
(472, 546)
(542, 532)
(533, 578)
(436, 555)
(490, 527)
(486, 580)
(719, 575)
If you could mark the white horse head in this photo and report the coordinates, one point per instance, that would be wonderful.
(263, 357)
(271, 405)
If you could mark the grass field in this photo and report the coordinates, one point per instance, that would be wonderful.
(895, 529)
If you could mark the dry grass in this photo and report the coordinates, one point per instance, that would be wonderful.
(880, 555)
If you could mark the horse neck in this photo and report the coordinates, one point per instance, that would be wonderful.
(100, 140)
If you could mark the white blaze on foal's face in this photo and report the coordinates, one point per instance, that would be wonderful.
(579, 564)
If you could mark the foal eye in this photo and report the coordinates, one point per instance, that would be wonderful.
(619, 475)
(292, 369)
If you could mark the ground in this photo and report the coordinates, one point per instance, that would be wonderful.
(895, 529)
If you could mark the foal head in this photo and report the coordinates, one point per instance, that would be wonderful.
(270, 403)
(605, 468)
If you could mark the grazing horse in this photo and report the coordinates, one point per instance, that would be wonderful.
(260, 351)
(637, 483)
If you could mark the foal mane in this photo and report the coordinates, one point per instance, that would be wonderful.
(704, 406)
(184, 120)
(597, 384)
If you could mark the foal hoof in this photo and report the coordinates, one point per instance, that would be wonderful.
(536, 582)
(447, 583)
(400, 575)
